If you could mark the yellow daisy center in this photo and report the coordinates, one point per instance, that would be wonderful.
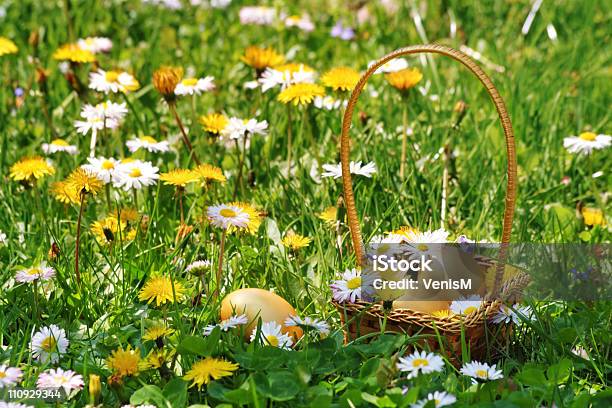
(272, 340)
(422, 247)
(481, 373)
(420, 362)
(148, 139)
(588, 136)
(108, 165)
(111, 76)
(48, 344)
(190, 81)
(59, 142)
(469, 310)
(34, 271)
(354, 283)
(228, 213)
(2, 374)
(135, 172)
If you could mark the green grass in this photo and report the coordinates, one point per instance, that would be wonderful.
(552, 90)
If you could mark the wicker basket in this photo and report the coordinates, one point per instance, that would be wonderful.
(447, 334)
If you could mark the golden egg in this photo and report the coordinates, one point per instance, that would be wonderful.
(259, 303)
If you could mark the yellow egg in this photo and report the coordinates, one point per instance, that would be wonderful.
(259, 303)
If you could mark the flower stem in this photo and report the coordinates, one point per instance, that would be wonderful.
(220, 266)
(404, 139)
(192, 153)
(78, 240)
(289, 141)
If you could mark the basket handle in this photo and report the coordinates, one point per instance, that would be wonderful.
(347, 184)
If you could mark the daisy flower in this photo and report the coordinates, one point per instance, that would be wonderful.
(328, 103)
(271, 335)
(195, 86)
(59, 145)
(335, 170)
(514, 315)
(341, 78)
(214, 123)
(226, 216)
(420, 363)
(135, 174)
(261, 58)
(56, 378)
(3, 239)
(295, 241)
(208, 369)
(404, 79)
(230, 323)
(13, 405)
(197, 267)
(286, 75)
(466, 306)
(48, 344)
(348, 288)
(302, 22)
(237, 128)
(420, 241)
(439, 398)
(73, 53)
(481, 371)
(258, 15)
(112, 81)
(95, 45)
(319, 325)
(124, 362)
(41, 272)
(9, 376)
(148, 143)
(300, 94)
(102, 168)
(162, 290)
(586, 142)
(7, 47)
(30, 169)
(396, 64)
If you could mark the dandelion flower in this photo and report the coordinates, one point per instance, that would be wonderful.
(9, 376)
(272, 335)
(56, 378)
(481, 371)
(135, 174)
(124, 362)
(439, 398)
(48, 344)
(179, 177)
(301, 94)
(41, 272)
(466, 306)
(443, 313)
(209, 368)
(157, 358)
(404, 79)
(329, 215)
(112, 81)
(254, 216)
(162, 290)
(103, 168)
(195, 86)
(227, 216)
(261, 58)
(166, 79)
(59, 145)
(207, 173)
(157, 332)
(148, 143)
(30, 169)
(214, 123)
(62, 193)
(341, 79)
(110, 229)
(295, 241)
(420, 363)
(73, 53)
(308, 322)
(593, 216)
(7, 47)
(586, 142)
(83, 181)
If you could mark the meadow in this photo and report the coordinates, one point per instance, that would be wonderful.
(156, 156)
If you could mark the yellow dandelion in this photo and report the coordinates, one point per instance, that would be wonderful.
(440, 314)
(593, 216)
(179, 177)
(83, 182)
(157, 332)
(31, 169)
(295, 241)
(124, 362)
(404, 79)
(254, 216)
(128, 214)
(7, 47)
(329, 215)
(161, 289)
(157, 358)
(109, 230)
(261, 58)
(62, 193)
(210, 368)
(165, 80)
(300, 94)
(73, 53)
(214, 123)
(293, 67)
(341, 79)
(207, 172)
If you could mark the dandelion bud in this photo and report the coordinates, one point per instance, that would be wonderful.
(33, 39)
(460, 107)
(165, 80)
(95, 388)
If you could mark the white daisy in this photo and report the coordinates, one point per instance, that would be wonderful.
(102, 168)
(328, 103)
(420, 363)
(335, 170)
(95, 45)
(41, 272)
(481, 371)
(191, 86)
(420, 242)
(581, 352)
(13, 405)
(135, 174)
(586, 142)
(258, 15)
(138, 406)
(396, 64)
(9, 376)
(308, 322)
(197, 267)
(237, 128)
(271, 335)
(3, 238)
(48, 344)
(439, 398)
(348, 287)
(226, 216)
(59, 145)
(230, 323)
(56, 378)
(466, 306)
(148, 143)
(271, 77)
(514, 315)
(302, 22)
(112, 81)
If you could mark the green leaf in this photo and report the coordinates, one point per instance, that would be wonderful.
(150, 394)
(560, 372)
(176, 391)
(197, 345)
(532, 376)
(280, 385)
(380, 402)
